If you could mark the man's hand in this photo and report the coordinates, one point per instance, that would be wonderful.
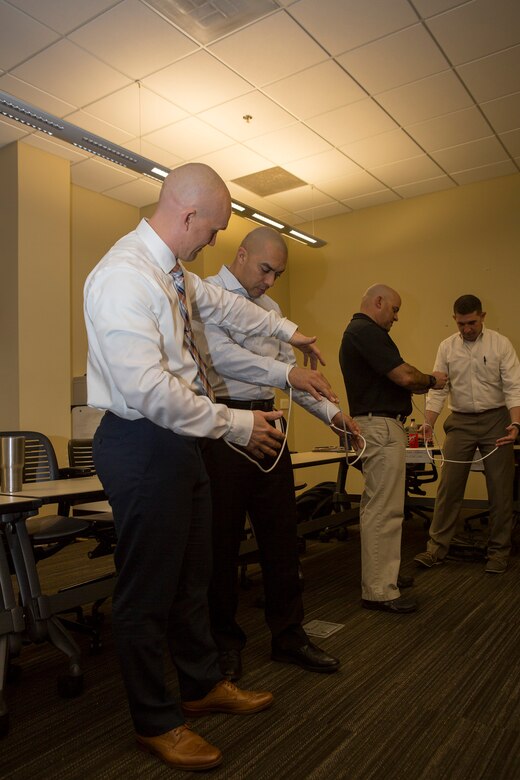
(341, 421)
(312, 382)
(265, 439)
(512, 433)
(311, 353)
(441, 378)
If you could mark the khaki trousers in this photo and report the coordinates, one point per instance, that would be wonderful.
(464, 433)
(381, 508)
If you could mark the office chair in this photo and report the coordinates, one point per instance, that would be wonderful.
(80, 456)
(418, 474)
(29, 540)
(49, 533)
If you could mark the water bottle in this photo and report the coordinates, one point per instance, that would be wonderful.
(413, 434)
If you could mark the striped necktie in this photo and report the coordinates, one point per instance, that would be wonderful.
(177, 275)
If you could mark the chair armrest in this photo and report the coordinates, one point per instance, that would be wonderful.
(70, 472)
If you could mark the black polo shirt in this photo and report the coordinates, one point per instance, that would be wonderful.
(366, 355)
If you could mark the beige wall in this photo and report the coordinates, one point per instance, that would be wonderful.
(431, 249)
(97, 222)
(36, 192)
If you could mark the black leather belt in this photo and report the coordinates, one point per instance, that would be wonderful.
(235, 403)
(393, 415)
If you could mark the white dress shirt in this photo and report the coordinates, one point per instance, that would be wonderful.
(138, 362)
(483, 374)
(228, 356)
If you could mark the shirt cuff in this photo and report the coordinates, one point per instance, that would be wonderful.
(240, 428)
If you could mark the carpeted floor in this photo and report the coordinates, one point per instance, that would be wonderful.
(431, 695)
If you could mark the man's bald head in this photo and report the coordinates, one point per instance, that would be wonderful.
(194, 204)
(260, 259)
(382, 304)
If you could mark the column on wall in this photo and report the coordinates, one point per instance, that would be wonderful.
(35, 292)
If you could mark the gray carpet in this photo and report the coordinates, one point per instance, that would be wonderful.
(426, 696)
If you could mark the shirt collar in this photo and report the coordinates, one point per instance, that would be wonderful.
(231, 282)
(162, 254)
(479, 337)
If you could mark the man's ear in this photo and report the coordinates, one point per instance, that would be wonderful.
(188, 218)
(483, 315)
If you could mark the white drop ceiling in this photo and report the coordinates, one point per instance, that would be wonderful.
(366, 101)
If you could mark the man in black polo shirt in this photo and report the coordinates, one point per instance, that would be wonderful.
(379, 385)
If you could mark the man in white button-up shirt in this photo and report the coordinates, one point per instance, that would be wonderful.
(484, 400)
(143, 372)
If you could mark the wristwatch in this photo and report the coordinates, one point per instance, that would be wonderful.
(432, 381)
(516, 425)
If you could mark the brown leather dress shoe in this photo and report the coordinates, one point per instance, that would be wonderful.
(226, 697)
(182, 749)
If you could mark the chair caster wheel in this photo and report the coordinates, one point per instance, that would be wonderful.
(70, 686)
(4, 724)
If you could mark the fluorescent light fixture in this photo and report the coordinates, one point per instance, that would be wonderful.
(36, 119)
(267, 220)
(302, 236)
(160, 171)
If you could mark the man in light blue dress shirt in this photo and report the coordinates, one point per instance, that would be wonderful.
(243, 381)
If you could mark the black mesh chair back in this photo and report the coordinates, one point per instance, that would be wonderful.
(80, 454)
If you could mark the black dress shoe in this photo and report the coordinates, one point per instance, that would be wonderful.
(230, 662)
(309, 657)
(404, 581)
(400, 605)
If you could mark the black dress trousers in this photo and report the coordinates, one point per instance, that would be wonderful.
(158, 488)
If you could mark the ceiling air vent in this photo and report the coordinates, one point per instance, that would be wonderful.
(270, 182)
(207, 20)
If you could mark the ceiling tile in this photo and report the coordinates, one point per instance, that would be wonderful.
(155, 153)
(450, 129)
(140, 192)
(493, 76)
(316, 90)
(98, 176)
(332, 209)
(511, 141)
(63, 16)
(287, 49)
(485, 172)
(322, 166)
(351, 186)
(424, 99)
(159, 42)
(470, 155)
(11, 131)
(136, 110)
(197, 82)
(382, 149)
(56, 147)
(235, 161)
(424, 187)
(407, 171)
(289, 143)
(70, 74)
(407, 55)
(429, 8)
(351, 123)
(20, 36)
(504, 113)
(493, 25)
(189, 138)
(300, 198)
(372, 199)
(35, 96)
(265, 116)
(341, 25)
(94, 125)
